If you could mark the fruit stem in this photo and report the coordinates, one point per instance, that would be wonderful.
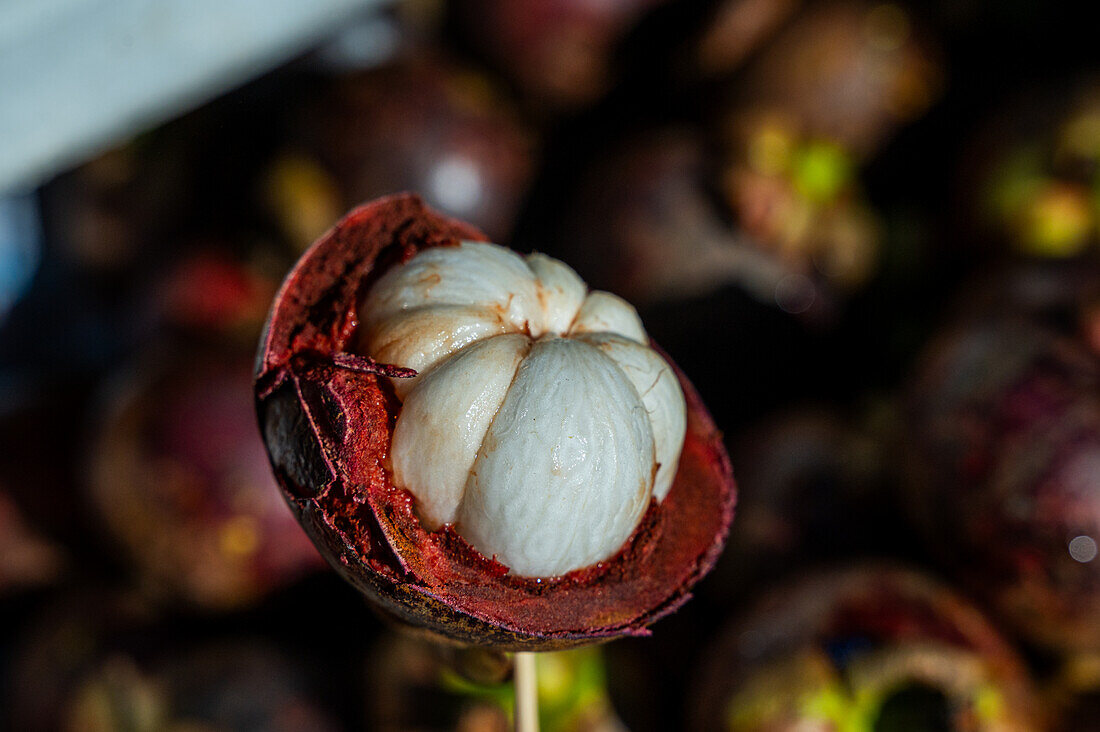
(527, 698)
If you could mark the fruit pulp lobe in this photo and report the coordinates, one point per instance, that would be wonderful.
(473, 273)
(566, 470)
(422, 338)
(446, 312)
(661, 395)
(443, 422)
(560, 291)
(603, 312)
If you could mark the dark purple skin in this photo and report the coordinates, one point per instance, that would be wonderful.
(863, 613)
(428, 125)
(327, 416)
(1005, 436)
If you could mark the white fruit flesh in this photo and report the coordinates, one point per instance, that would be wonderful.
(566, 470)
(540, 424)
(655, 383)
(444, 420)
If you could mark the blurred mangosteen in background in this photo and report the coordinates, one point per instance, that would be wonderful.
(1005, 473)
(865, 647)
(114, 211)
(212, 293)
(561, 54)
(26, 558)
(416, 684)
(814, 486)
(645, 227)
(181, 480)
(424, 124)
(1031, 178)
(851, 73)
(774, 206)
(100, 663)
(797, 198)
(814, 107)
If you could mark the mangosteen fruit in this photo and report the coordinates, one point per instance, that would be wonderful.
(182, 485)
(1005, 445)
(485, 448)
(846, 71)
(864, 647)
(428, 124)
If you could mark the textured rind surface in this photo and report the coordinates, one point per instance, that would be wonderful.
(327, 420)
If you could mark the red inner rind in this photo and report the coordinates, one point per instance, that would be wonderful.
(361, 512)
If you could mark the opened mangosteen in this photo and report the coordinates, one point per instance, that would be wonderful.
(485, 448)
(867, 647)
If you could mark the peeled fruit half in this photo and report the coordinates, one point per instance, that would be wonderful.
(481, 445)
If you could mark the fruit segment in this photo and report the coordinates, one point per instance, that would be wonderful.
(541, 423)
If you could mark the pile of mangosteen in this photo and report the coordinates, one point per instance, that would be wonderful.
(739, 359)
